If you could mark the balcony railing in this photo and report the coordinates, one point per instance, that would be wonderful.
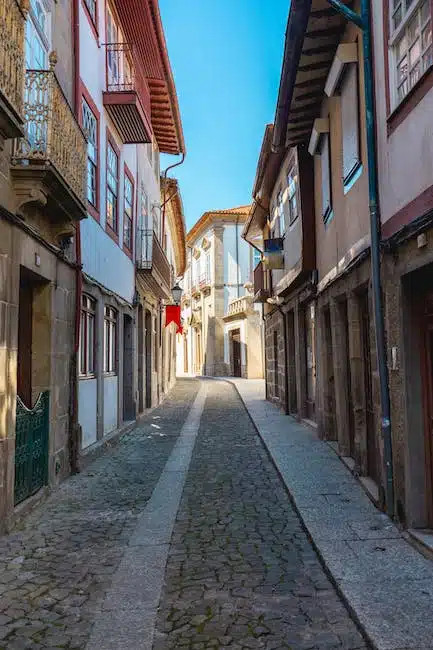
(204, 280)
(12, 26)
(53, 136)
(127, 96)
(151, 257)
(239, 306)
(261, 292)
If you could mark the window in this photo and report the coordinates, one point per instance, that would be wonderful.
(110, 339)
(156, 215)
(128, 212)
(280, 208)
(411, 29)
(90, 127)
(91, 7)
(350, 122)
(87, 336)
(292, 182)
(37, 37)
(207, 267)
(325, 160)
(113, 53)
(257, 257)
(112, 186)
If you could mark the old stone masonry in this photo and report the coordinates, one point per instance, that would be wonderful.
(180, 536)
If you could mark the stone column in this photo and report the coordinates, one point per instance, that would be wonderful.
(357, 381)
(217, 329)
(339, 347)
(301, 369)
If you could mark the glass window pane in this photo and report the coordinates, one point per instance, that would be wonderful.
(428, 58)
(397, 16)
(402, 70)
(425, 11)
(90, 344)
(415, 74)
(401, 48)
(415, 52)
(413, 30)
(427, 36)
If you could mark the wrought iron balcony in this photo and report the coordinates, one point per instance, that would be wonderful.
(49, 162)
(127, 95)
(152, 263)
(12, 26)
(261, 290)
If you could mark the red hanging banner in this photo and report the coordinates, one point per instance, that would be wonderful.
(172, 315)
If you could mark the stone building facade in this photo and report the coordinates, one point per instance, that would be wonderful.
(42, 189)
(219, 324)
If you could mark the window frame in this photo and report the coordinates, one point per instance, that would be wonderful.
(280, 211)
(328, 212)
(88, 313)
(94, 211)
(110, 142)
(128, 177)
(111, 324)
(93, 21)
(349, 176)
(292, 173)
(394, 37)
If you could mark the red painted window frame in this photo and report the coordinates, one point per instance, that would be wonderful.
(416, 93)
(128, 174)
(114, 234)
(93, 26)
(84, 94)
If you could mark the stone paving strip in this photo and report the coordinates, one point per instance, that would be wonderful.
(128, 615)
(386, 583)
(56, 569)
(241, 572)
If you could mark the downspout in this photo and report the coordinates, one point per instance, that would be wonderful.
(74, 431)
(363, 21)
(164, 202)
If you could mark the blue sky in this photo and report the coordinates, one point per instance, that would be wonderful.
(226, 59)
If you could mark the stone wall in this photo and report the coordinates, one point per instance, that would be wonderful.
(53, 346)
(275, 358)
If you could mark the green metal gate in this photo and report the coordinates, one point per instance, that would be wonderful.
(31, 447)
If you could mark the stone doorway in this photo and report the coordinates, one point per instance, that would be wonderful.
(33, 382)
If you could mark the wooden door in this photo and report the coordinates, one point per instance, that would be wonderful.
(236, 353)
(372, 456)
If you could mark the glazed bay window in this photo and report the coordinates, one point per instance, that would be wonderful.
(112, 186)
(87, 337)
(350, 123)
(292, 183)
(90, 128)
(128, 214)
(411, 44)
(110, 339)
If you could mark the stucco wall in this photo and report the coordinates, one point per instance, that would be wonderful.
(405, 158)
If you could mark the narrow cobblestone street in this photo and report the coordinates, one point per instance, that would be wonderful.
(241, 572)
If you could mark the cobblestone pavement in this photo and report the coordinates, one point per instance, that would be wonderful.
(55, 571)
(241, 571)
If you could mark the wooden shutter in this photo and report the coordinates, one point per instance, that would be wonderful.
(326, 176)
(350, 121)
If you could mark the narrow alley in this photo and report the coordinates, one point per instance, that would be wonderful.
(182, 535)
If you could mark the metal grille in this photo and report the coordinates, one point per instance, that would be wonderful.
(31, 447)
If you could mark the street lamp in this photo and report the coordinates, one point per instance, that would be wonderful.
(176, 292)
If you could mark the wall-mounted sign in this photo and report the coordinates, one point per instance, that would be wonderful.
(273, 254)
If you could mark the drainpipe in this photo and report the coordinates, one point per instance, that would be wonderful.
(363, 21)
(164, 175)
